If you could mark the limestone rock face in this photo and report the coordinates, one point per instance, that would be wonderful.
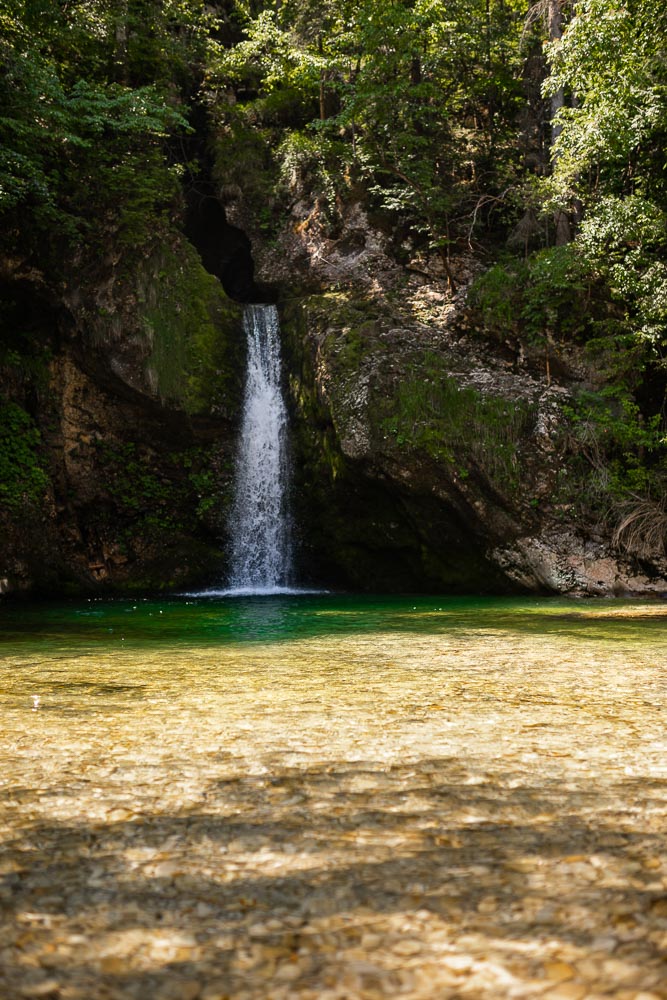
(428, 456)
(134, 409)
(470, 456)
(567, 562)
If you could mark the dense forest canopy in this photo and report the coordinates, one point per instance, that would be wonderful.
(447, 114)
(531, 137)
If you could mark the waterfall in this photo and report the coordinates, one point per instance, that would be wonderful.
(259, 526)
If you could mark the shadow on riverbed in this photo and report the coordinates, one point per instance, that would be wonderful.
(301, 878)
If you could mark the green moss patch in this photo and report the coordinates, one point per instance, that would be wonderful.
(458, 425)
(196, 335)
(22, 477)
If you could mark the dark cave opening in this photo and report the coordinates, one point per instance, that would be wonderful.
(224, 249)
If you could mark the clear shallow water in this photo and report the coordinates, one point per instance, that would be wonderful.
(251, 657)
(175, 639)
(222, 618)
(408, 781)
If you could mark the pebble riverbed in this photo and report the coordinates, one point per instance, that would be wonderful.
(387, 815)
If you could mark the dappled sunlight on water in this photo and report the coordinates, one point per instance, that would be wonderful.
(333, 797)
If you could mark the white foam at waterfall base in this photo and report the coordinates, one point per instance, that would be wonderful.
(259, 526)
(256, 592)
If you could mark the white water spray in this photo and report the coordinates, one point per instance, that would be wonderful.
(260, 529)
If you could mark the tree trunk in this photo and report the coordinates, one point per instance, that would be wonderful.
(555, 31)
(120, 43)
(320, 49)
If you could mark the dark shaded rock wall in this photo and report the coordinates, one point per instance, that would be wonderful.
(134, 406)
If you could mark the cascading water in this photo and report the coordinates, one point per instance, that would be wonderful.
(260, 529)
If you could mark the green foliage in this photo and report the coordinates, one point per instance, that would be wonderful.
(315, 159)
(609, 159)
(612, 58)
(184, 494)
(615, 469)
(134, 42)
(132, 480)
(209, 475)
(542, 297)
(23, 480)
(553, 294)
(608, 288)
(622, 242)
(461, 426)
(412, 98)
(244, 160)
(205, 486)
(497, 294)
(80, 155)
(269, 56)
(618, 443)
(619, 225)
(147, 503)
(24, 362)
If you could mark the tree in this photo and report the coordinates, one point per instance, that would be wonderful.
(78, 155)
(612, 55)
(609, 151)
(414, 98)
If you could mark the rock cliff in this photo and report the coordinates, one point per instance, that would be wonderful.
(427, 455)
(120, 454)
(431, 456)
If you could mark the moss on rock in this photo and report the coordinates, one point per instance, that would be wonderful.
(195, 333)
(23, 479)
(385, 440)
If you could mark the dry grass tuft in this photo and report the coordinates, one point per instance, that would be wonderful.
(642, 529)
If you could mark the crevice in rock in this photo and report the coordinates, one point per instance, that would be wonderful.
(224, 249)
